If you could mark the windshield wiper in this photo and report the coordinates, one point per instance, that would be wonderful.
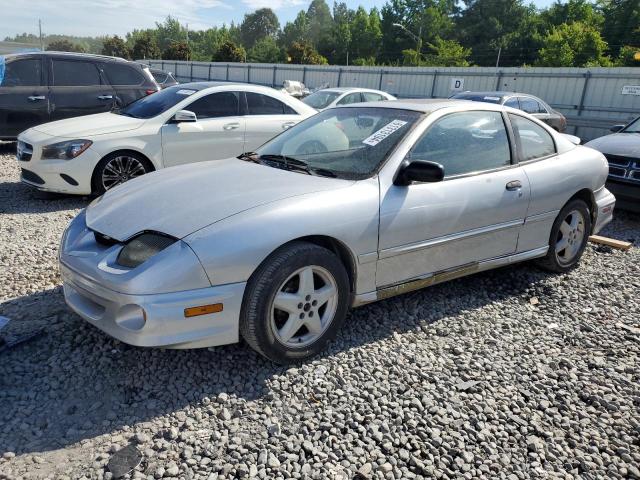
(248, 156)
(289, 163)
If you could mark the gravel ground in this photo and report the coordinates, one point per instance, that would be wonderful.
(514, 373)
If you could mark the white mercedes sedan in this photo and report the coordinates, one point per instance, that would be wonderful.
(333, 97)
(185, 123)
(276, 245)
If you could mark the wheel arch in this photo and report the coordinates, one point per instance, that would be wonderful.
(122, 151)
(589, 198)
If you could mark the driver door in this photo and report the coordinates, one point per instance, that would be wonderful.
(217, 134)
(474, 214)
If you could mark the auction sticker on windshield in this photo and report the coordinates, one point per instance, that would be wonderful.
(376, 137)
(185, 92)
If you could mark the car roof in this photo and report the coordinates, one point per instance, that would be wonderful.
(496, 93)
(348, 89)
(53, 53)
(424, 105)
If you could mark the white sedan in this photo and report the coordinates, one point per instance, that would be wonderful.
(181, 124)
(332, 97)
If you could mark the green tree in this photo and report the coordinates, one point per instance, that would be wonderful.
(265, 50)
(490, 25)
(170, 31)
(230, 52)
(304, 53)
(296, 31)
(366, 35)
(448, 53)
(573, 45)
(628, 57)
(145, 46)
(621, 23)
(177, 51)
(260, 24)
(572, 11)
(341, 35)
(64, 46)
(115, 47)
(320, 22)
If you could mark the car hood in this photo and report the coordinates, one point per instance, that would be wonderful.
(624, 144)
(90, 125)
(180, 200)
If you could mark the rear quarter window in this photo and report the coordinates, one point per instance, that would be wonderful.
(122, 74)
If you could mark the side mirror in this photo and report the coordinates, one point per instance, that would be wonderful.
(419, 171)
(616, 128)
(184, 116)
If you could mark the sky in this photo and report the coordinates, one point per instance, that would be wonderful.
(109, 17)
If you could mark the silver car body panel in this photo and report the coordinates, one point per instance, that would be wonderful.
(231, 215)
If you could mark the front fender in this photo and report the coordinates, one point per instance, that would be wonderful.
(231, 250)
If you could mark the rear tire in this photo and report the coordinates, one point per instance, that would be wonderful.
(295, 303)
(569, 237)
(117, 168)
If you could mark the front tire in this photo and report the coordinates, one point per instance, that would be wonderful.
(295, 303)
(117, 168)
(569, 237)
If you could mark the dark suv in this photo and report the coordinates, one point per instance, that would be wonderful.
(42, 87)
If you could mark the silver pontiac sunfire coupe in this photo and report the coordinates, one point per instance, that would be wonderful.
(353, 205)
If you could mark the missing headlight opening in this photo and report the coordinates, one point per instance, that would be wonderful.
(141, 248)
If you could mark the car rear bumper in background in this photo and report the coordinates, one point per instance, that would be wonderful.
(627, 194)
(605, 202)
(156, 320)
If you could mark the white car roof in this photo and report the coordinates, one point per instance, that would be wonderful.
(350, 89)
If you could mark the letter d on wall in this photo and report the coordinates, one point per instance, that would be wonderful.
(457, 84)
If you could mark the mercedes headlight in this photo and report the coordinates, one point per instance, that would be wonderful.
(141, 248)
(65, 150)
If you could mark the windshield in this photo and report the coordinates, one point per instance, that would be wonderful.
(476, 97)
(321, 99)
(349, 143)
(633, 127)
(157, 103)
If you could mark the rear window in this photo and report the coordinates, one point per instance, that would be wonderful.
(122, 74)
(73, 73)
(26, 72)
(159, 77)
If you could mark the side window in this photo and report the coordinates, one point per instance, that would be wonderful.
(259, 104)
(465, 142)
(122, 74)
(534, 140)
(542, 108)
(372, 97)
(22, 73)
(351, 98)
(71, 73)
(215, 105)
(529, 105)
(513, 103)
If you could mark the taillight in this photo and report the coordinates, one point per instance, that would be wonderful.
(150, 91)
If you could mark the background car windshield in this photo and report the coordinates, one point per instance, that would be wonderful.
(633, 127)
(320, 99)
(158, 103)
(478, 98)
(350, 142)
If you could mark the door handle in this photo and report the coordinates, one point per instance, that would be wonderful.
(35, 98)
(105, 97)
(287, 125)
(231, 126)
(514, 185)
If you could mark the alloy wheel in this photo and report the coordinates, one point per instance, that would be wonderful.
(304, 306)
(120, 169)
(570, 237)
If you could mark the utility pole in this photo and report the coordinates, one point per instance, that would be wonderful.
(187, 29)
(498, 59)
(40, 30)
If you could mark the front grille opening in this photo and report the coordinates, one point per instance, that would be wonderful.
(635, 175)
(617, 172)
(31, 177)
(618, 160)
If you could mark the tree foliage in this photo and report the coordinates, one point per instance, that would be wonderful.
(574, 44)
(256, 26)
(304, 53)
(145, 45)
(230, 52)
(64, 46)
(177, 51)
(115, 47)
(265, 50)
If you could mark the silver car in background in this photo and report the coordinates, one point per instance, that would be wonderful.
(350, 206)
(335, 97)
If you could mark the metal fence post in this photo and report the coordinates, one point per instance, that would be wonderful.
(339, 75)
(227, 72)
(380, 80)
(209, 74)
(176, 69)
(587, 76)
(248, 73)
(499, 80)
(273, 81)
(433, 83)
(191, 72)
(304, 75)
